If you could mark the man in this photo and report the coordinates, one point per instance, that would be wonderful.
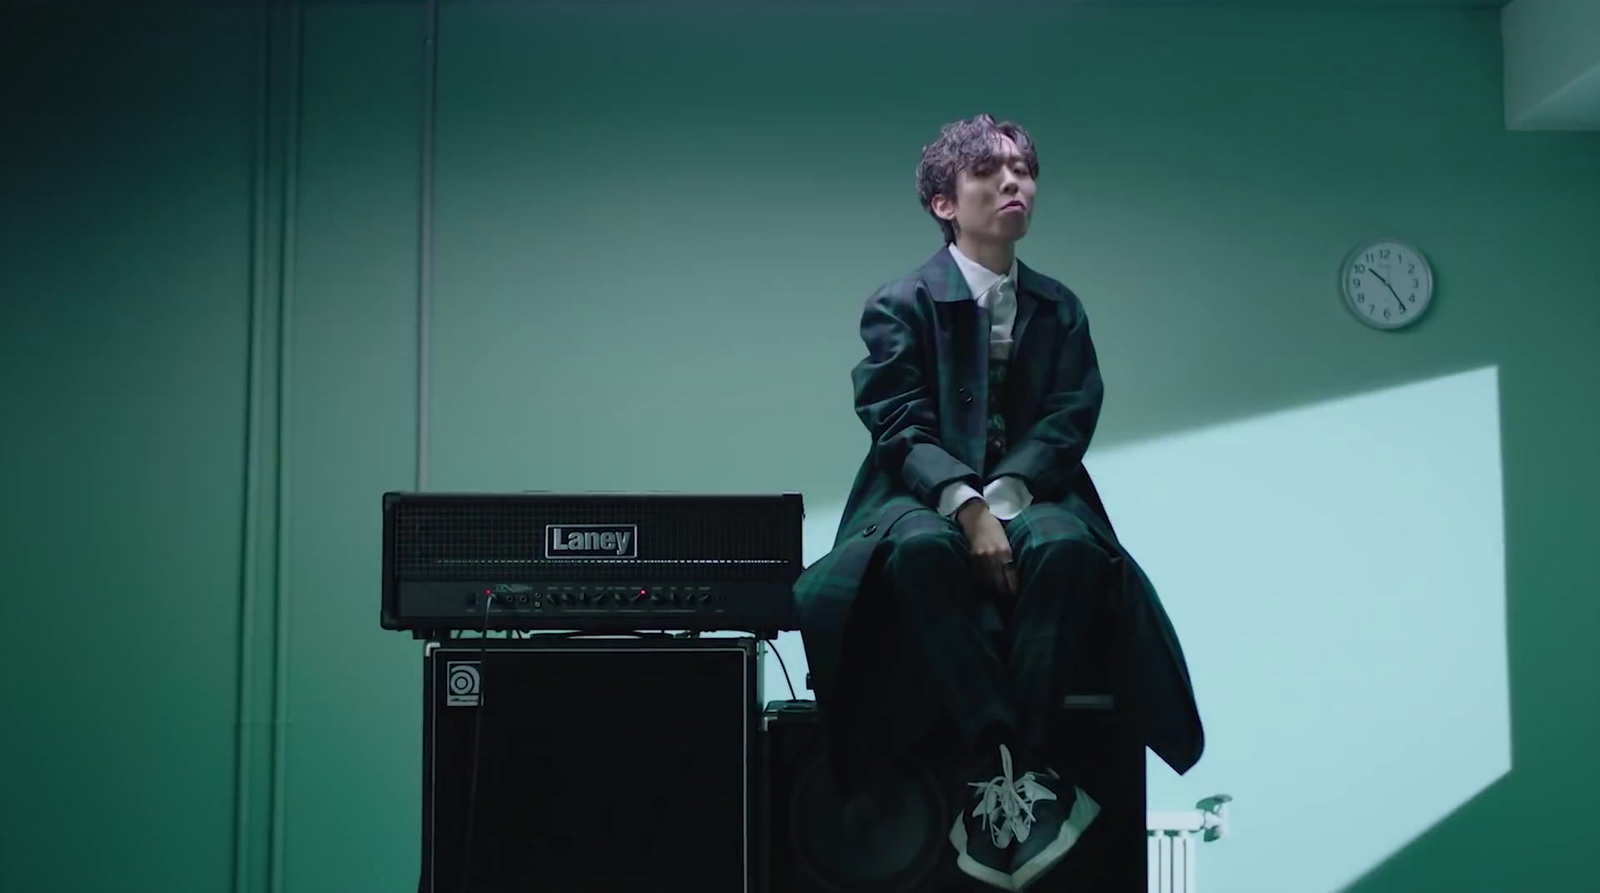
(974, 519)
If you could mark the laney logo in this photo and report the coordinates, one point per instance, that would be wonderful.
(591, 541)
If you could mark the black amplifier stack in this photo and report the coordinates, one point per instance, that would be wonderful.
(592, 710)
(580, 733)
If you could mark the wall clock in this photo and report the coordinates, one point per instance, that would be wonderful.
(1387, 284)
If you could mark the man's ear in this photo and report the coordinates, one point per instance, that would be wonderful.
(943, 207)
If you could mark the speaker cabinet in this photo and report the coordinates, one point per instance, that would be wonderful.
(589, 765)
(811, 843)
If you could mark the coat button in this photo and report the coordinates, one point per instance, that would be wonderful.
(871, 529)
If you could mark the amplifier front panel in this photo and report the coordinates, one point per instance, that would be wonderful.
(719, 606)
(605, 766)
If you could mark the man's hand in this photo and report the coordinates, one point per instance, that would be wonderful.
(991, 551)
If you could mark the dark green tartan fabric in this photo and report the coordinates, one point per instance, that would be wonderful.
(995, 446)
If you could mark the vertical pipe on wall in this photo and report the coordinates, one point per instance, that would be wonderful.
(430, 78)
(256, 345)
(286, 274)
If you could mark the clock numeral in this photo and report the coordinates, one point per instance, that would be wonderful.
(1360, 268)
(1412, 269)
(1370, 258)
(1385, 314)
(1361, 297)
(1416, 284)
(1384, 253)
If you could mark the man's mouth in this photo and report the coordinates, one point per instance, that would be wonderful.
(1013, 204)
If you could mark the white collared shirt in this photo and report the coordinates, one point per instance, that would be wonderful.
(1007, 496)
(995, 292)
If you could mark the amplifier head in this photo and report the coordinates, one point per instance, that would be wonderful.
(594, 562)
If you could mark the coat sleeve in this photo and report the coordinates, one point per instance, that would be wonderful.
(897, 403)
(1050, 454)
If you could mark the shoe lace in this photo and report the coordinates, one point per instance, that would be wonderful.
(1005, 804)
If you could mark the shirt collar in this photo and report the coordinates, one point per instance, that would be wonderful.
(981, 279)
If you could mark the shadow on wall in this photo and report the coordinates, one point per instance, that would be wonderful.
(1337, 574)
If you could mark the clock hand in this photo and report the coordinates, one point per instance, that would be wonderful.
(1390, 288)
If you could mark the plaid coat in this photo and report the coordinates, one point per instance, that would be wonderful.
(922, 393)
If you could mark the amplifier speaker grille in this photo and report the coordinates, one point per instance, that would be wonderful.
(602, 766)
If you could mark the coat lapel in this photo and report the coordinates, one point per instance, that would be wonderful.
(1026, 304)
(1035, 335)
(962, 359)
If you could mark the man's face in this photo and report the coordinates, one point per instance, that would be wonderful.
(994, 199)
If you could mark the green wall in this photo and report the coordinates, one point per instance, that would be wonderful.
(654, 233)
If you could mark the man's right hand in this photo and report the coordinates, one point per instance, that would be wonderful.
(991, 550)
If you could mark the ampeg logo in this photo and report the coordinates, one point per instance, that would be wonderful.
(591, 541)
(463, 684)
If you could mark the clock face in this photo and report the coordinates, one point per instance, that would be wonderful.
(1387, 284)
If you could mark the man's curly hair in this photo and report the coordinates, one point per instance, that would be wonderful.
(961, 146)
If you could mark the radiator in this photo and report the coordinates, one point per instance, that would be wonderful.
(1172, 838)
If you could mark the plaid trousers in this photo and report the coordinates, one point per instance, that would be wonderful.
(940, 604)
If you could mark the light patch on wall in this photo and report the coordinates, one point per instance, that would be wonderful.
(1337, 575)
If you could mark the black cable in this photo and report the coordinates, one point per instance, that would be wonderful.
(785, 667)
(477, 739)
